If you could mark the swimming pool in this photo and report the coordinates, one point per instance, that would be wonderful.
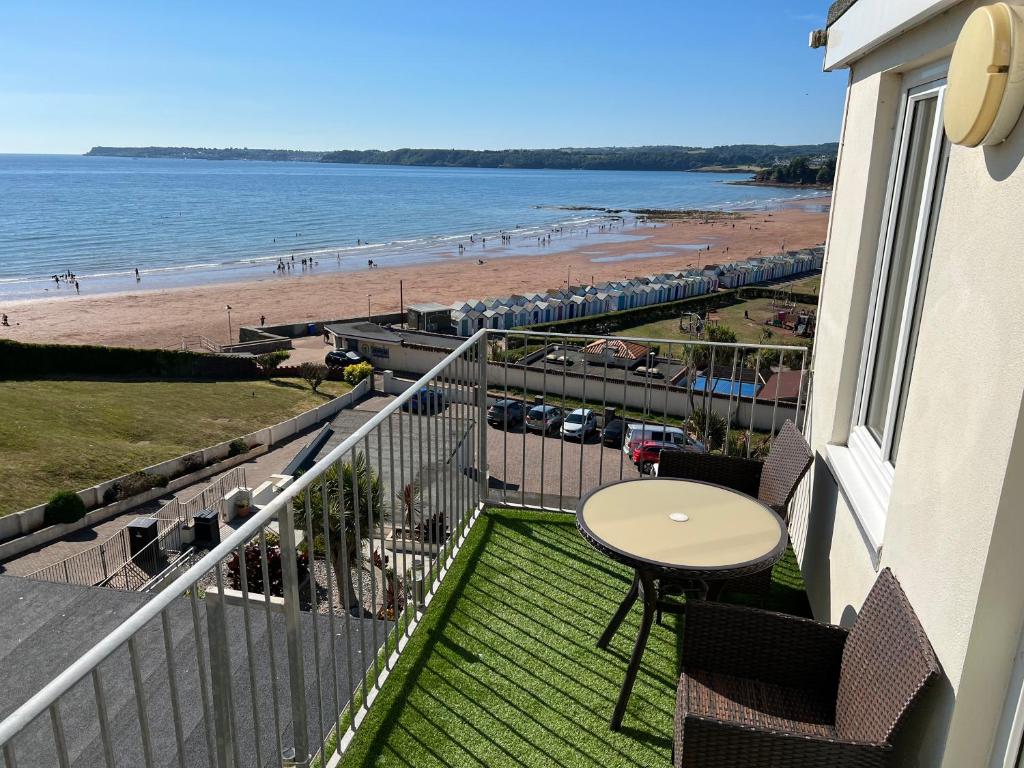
(726, 386)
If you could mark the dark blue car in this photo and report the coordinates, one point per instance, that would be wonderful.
(426, 400)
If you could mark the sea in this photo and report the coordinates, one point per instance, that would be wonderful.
(186, 222)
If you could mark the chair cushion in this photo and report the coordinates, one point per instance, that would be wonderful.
(752, 703)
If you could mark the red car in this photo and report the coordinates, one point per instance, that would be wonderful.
(646, 454)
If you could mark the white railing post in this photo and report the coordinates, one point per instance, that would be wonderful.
(293, 637)
(481, 398)
(220, 676)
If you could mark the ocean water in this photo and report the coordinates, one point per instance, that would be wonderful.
(182, 222)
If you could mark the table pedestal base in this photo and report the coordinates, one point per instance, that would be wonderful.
(645, 587)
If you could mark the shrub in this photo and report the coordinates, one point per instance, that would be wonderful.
(158, 481)
(237, 447)
(313, 373)
(356, 373)
(135, 483)
(113, 493)
(254, 569)
(191, 463)
(710, 424)
(64, 507)
(270, 361)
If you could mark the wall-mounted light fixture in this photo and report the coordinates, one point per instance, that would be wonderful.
(985, 92)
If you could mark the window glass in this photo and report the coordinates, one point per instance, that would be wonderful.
(915, 170)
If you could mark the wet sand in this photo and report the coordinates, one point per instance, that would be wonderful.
(159, 318)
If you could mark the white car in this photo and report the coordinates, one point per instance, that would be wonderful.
(638, 433)
(578, 424)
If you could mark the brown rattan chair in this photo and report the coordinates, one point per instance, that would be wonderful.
(765, 689)
(773, 482)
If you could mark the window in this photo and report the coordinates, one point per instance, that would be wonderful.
(867, 464)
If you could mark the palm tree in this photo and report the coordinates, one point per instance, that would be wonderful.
(360, 491)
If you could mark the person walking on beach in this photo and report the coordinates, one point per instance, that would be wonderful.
(137, 277)
(5, 321)
(77, 289)
(263, 320)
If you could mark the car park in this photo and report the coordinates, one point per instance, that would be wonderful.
(579, 424)
(545, 419)
(506, 414)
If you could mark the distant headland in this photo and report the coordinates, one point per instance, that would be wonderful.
(749, 158)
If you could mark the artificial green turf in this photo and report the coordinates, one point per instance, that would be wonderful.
(503, 669)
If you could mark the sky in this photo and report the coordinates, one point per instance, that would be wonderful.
(470, 75)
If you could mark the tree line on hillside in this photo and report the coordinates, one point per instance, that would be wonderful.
(799, 170)
(651, 158)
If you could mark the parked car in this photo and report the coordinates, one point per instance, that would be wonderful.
(647, 454)
(506, 414)
(611, 435)
(426, 400)
(637, 433)
(579, 424)
(544, 419)
(342, 358)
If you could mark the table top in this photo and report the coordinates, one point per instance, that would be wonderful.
(682, 525)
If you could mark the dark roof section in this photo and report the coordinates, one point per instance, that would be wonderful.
(373, 332)
(837, 9)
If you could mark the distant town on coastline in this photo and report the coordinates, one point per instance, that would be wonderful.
(735, 157)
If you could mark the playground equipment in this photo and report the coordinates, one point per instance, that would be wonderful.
(694, 325)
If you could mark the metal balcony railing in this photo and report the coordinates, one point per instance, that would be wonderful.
(271, 648)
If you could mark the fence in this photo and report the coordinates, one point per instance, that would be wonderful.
(307, 659)
(275, 652)
(208, 498)
(93, 566)
(148, 562)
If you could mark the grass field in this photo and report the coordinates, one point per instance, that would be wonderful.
(73, 434)
(748, 330)
(810, 284)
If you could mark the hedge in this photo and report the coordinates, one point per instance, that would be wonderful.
(630, 318)
(21, 360)
(757, 292)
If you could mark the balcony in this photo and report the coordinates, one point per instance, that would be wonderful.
(430, 600)
(503, 670)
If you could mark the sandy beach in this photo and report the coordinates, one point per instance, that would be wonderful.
(159, 318)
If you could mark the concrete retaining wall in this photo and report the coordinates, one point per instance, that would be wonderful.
(259, 346)
(299, 330)
(24, 530)
(635, 396)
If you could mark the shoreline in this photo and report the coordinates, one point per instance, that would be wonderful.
(782, 185)
(160, 317)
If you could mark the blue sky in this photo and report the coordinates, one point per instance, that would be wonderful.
(331, 75)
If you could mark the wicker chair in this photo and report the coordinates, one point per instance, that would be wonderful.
(766, 689)
(773, 482)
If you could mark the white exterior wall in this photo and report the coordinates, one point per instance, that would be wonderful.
(954, 529)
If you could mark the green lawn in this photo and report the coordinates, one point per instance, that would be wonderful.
(805, 285)
(73, 434)
(748, 330)
(503, 669)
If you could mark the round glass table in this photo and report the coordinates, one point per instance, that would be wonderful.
(678, 530)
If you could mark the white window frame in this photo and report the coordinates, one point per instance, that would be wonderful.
(864, 466)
